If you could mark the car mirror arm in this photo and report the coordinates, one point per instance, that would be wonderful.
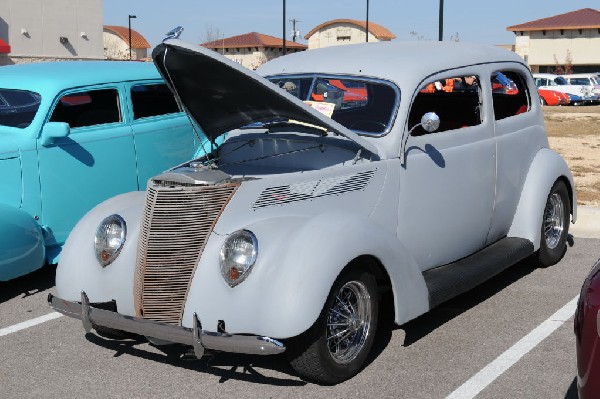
(430, 122)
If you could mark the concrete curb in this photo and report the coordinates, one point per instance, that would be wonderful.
(588, 222)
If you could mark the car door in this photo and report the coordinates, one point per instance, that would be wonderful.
(447, 184)
(163, 134)
(94, 162)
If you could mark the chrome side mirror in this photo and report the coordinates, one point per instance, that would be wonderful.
(430, 122)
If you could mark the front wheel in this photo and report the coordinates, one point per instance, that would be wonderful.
(555, 226)
(338, 343)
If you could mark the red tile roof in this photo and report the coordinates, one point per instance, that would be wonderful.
(585, 18)
(137, 40)
(252, 39)
(376, 30)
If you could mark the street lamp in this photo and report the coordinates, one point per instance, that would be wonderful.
(441, 35)
(367, 27)
(283, 50)
(130, 17)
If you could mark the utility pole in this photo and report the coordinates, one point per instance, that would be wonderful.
(283, 27)
(367, 28)
(441, 35)
(295, 33)
(130, 17)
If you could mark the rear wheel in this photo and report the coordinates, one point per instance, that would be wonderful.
(542, 101)
(338, 343)
(555, 226)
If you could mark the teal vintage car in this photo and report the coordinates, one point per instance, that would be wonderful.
(73, 134)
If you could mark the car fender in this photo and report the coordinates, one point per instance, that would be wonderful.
(547, 167)
(294, 272)
(22, 248)
(79, 270)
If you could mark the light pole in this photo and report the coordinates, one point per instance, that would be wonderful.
(441, 35)
(283, 28)
(130, 17)
(367, 28)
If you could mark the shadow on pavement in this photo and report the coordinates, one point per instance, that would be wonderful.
(420, 327)
(226, 366)
(572, 391)
(33, 283)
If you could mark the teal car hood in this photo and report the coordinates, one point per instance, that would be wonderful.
(10, 170)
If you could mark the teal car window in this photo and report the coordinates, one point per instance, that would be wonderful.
(18, 107)
(152, 100)
(93, 107)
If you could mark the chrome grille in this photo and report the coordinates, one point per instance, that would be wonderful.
(175, 227)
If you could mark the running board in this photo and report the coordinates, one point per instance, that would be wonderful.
(447, 281)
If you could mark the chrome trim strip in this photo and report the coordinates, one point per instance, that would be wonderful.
(598, 323)
(196, 337)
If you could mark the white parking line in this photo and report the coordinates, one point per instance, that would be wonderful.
(29, 323)
(489, 373)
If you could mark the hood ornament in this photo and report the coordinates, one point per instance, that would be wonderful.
(174, 33)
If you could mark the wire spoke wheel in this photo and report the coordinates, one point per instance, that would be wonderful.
(554, 216)
(348, 322)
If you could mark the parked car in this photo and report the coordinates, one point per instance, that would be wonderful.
(587, 334)
(552, 97)
(289, 235)
(585, 79)
(73, 134)
(580, 94)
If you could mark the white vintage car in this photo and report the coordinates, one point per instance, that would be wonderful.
(421, 182)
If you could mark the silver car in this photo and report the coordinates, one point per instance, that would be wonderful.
(350, 176)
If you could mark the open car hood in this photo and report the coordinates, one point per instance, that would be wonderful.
(221, 95)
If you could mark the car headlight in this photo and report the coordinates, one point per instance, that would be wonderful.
(238, 254)
(109, 239)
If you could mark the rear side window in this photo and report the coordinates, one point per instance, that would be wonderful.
(455, 100)
(152, 100)
(88, 108)
(509, 94)
(18, 107)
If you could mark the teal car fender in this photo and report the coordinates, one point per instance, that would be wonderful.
(542, 174)
(22, 245)
(298, 261)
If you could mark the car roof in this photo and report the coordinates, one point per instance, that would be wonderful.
(53, 77)
(398, 61)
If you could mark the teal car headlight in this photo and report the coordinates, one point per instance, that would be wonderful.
(238, 255)
(109, 239)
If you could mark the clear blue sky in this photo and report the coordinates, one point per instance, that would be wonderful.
(474, 20)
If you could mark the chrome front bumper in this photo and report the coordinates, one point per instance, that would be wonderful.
(195, 337)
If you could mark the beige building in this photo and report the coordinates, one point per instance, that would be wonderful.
(546, 42)
(37, 30)
(253, 49)
(116, 44)
(346, 31)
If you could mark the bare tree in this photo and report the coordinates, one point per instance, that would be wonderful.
(567, 67)
(416, 35)
(212, 34)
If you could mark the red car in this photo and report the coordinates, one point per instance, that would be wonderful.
(551, 97)
(587, 334)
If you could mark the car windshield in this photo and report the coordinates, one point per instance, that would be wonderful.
(18, 107)
(365, 106)
(559, 80)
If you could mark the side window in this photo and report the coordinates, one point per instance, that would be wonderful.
(455, 100)
(509, 94)
(88, 108)
(152, 100)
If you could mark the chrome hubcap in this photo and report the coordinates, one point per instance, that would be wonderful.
(348, 322)
(554, 216)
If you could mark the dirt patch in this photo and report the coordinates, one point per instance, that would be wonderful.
(574, 132)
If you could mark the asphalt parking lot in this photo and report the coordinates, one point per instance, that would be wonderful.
(429, 357)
